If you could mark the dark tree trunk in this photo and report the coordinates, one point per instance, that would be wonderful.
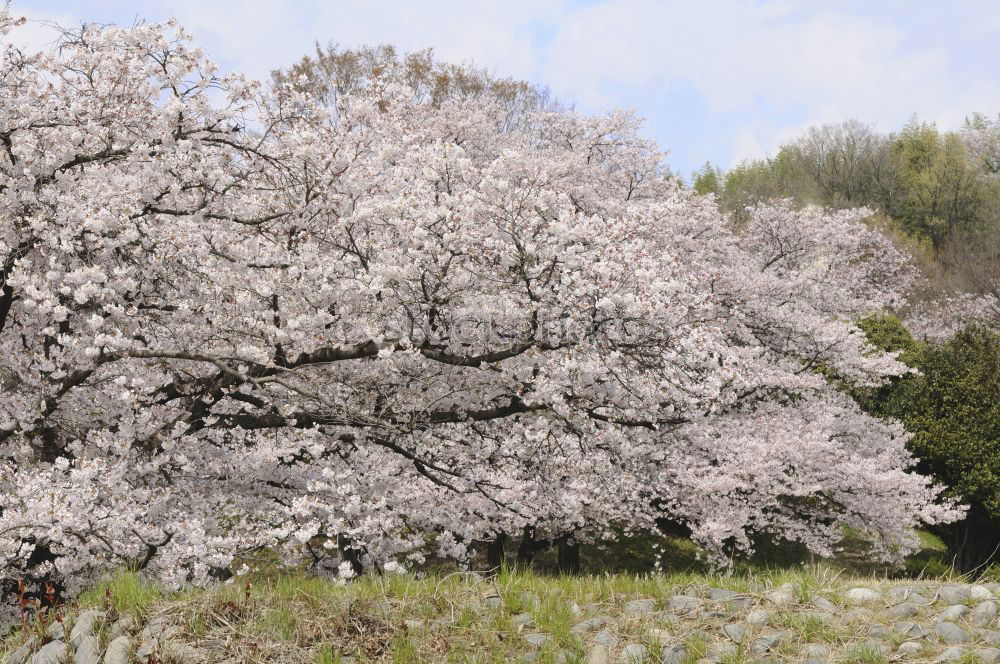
(973, 543)
(351, 554)
(526, 549)
(569, 556)
(495, 552)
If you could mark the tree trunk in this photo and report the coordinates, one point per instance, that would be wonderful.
(973, 543)
(526, 549)
(569, 556)
(495, 552)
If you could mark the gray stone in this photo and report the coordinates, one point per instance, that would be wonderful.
(84, 626)
(909, 629)
(954, 594)
(917, 598)
(877, 632)
(124, 625)
(530, 600)
(953, 612)
(182, 653)
(525, 658)
(862, 596)
(118, 651)
(634, 653)
(523, 620)
(88, 651)
(824, 604)
(980, 593)
(951, 633)
(951, 654)
(857, 615)
(674, 654)
(769, 641)
(598, 655)
(683, 604)
(758, 617)
(723, 595)
(56, 631)
(53, 652)
(900, 592)
(591, 624)
(414, 625)
(733, 632)
(908, 649)
(780, 598)
(984, 614)
(723, 650)
(988, 655)
(659, 637)
(566, 657)
(605, 638)
(904, 610)
(990, 636)
(537, 639)
(639, 607)
(815, 651)
(493, 602)
(575, 610)
(21, 655)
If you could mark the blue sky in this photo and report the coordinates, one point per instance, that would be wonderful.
(718, 80)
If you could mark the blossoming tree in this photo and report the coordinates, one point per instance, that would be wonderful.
(233, 319)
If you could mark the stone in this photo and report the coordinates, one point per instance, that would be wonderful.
(590, 624)
(675, 654)
(639, 607)
(951, 654)
(954, 594)
(951, 633)
(733, 632)
(124, 625)
(953, 612)
(988, 655)
(683, 604)
(634, 653)
(723, 595)
(824, 604)
(980, 593)
(21, 655)
(494, 602)
(908, 649)
(877, 632)
(575, 610)
(525, 658)
(758, 617)
(862, 596)
(766, 642)
(84, 626)
(723, 651)
(919, 599)
(904, 610)
(566, 657)
(88, 651)
(173, 651)
(900, 592)
(815, 651)
(605, 638)
(909, 629)
(56, 631)
(53, 652)
(530, 600)
(659, 637)
(990, 636)
(537, 639)
(780, 598)
(598, 655)
(524, 620)
(857, 615)
(414, 625)
(984, 614)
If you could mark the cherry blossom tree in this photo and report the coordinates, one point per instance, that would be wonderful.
(234, 319)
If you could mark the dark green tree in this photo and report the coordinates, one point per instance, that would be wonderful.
(952, 408)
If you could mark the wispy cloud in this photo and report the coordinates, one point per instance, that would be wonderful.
(718, 79)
